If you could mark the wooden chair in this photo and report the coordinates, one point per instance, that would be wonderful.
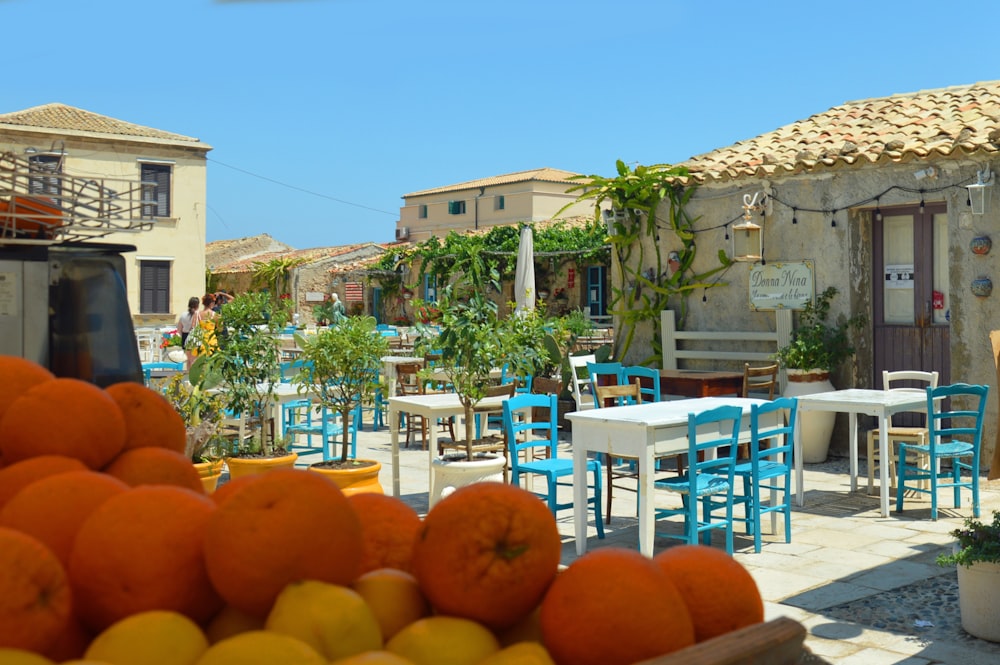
(899, 433)
(626, 467)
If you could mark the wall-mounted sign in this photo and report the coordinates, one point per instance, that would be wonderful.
(315, 296)
(781, 285)
(899, 276)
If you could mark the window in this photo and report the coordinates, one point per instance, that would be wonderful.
(154, 287)
(456, 207)
(44, 177)
(499, 203)
(422, 212)
(156, 189)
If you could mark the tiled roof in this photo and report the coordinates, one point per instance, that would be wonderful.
(543, 175)
(70, 118)
(899, 128)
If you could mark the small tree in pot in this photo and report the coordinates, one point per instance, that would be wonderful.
(341, 369)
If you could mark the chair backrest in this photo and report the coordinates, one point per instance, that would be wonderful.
(912, 380)
(580, 385)
(618, 395)
(780, 436)
(760, 380)
(514, 425)
(649, 381)
(606, 374)
(720, 429)
(955, 413)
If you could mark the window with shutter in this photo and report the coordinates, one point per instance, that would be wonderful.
(156, 189)
(154, 287)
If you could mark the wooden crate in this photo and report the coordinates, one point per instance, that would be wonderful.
(777, 642)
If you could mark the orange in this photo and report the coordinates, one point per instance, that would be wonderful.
(388, 528)
(53, 508)
(18, 376)
(613, 606)
(17, 476)
(142, 550)
(487, 552)
(394, 596)
(150, 420)
(285, 526)
(699, 572)
(63, 417)
(441, 640)
(155, 466)
(231, 621)
(35, 600)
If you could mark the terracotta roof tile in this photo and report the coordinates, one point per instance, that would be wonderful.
(962, 118)
(543, 174)
(70, 118)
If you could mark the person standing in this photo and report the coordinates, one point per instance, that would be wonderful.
(187, 322)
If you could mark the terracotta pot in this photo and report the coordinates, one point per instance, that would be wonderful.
(210, 473)
(354, 480)
(250, 466)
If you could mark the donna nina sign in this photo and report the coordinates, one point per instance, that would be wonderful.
(781, 285)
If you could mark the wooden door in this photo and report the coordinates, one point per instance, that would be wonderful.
(911, 297)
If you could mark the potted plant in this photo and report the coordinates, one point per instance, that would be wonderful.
(817, 348)
(247, 361)
(977, 555)
(341, 368)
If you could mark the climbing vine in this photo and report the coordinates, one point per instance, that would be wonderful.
(644, 286)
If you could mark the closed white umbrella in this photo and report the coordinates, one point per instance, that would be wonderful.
(524, 275)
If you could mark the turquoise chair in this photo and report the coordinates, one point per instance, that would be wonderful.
(518, 425)
(603, 374)
(768, 473)
(650, 380)
(955, 433)
(709, 478)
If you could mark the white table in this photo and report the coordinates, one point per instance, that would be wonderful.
(431, 407)
(645, 432)
(879, 403)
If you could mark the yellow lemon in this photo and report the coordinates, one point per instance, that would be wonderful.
(522, 653)
(261, 647)
(442, 640)
(231, 621)
(10, 656)
(332, 619)
(155, 637)
(373, 658)
(395, 598)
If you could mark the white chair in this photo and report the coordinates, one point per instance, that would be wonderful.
(917, 435)
(581, 384)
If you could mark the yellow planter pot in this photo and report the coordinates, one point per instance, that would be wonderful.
(354, 480)
(250, 466)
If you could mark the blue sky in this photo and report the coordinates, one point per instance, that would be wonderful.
(323, 113)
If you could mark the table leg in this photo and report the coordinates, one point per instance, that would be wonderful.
(647, 520)
(883, 466)
(853, 426)
(580, 507)
(393, 415)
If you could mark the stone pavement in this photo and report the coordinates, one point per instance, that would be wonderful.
(866, 588)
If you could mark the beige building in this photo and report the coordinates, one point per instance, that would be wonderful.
(525, 196)
(161, 180)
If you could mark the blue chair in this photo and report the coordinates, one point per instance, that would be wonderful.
(769, 469)
(518, 424)
(955, 433)
(604, 374)
(709, 479)
(649, 381)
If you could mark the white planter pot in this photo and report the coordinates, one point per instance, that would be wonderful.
(816, 426)
(453, 471)
(978, 590)
(176, 354)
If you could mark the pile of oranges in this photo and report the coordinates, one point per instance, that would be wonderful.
(111, 552)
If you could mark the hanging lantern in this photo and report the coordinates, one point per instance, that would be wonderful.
(748, 237)
(978, 194)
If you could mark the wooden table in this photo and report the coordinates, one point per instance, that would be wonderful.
(645, 432)
(697, 383)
